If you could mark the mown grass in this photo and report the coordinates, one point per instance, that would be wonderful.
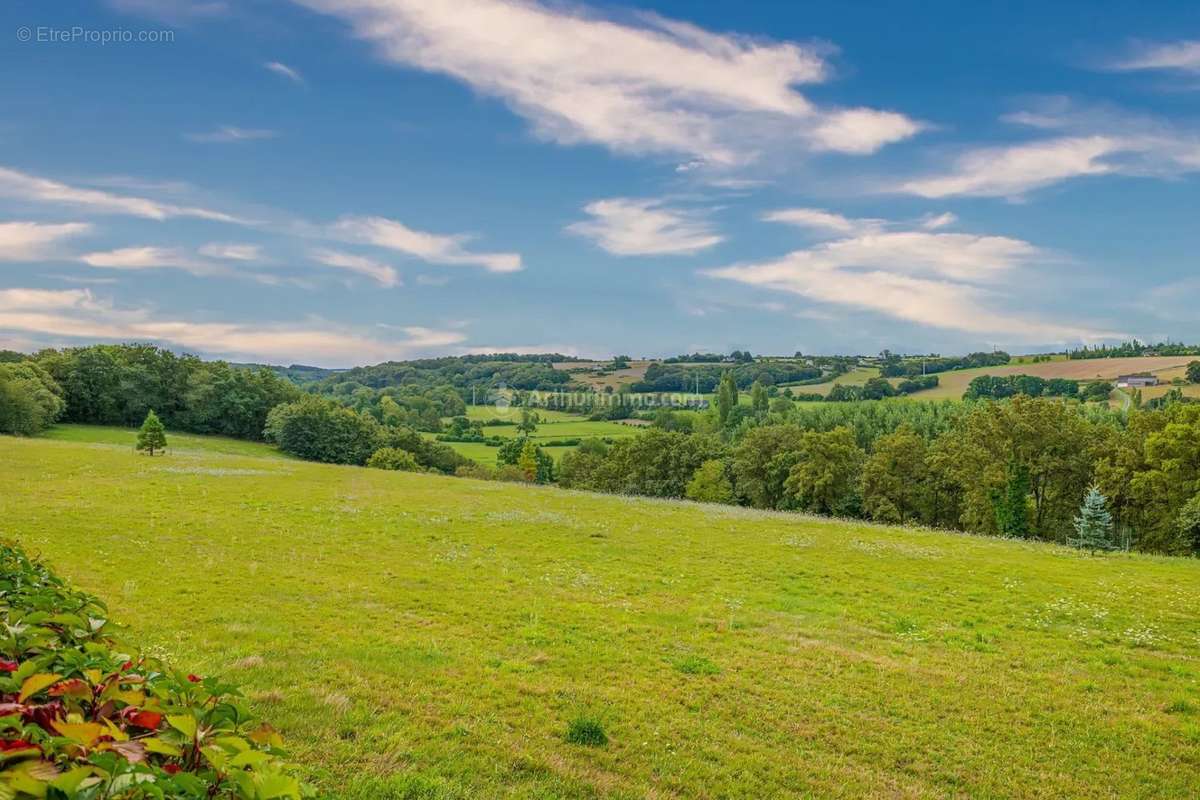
(416, 636)
(575, 429)
(176, 442)
(855, 377)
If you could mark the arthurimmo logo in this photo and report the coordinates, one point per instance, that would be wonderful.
(502, 401)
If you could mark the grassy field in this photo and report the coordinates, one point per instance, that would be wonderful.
(510, 414)
(425, 637)
(952, 384)
(483, 454)
(181, 443)
(578, 428)
(855, 377)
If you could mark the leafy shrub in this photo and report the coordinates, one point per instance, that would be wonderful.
(710, 483)
(80, 720)
(587, 731)
(395, 459)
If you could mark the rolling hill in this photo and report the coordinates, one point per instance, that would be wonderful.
(416, 636)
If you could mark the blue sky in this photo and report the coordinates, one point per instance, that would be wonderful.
(341, 182)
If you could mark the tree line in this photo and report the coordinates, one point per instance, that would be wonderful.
(1020, 467)
(119, 384)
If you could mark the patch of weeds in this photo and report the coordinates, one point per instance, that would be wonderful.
(587, 731)
(1180, 706)
(696, 665)
(908, 628)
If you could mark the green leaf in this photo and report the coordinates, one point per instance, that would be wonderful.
(276, 785)
(184, 723)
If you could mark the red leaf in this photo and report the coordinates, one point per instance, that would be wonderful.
(145, 719)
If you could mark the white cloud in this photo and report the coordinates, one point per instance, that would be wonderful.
(1012, 171)
(231, 252)
(1089, 141)
(1181, 56)
(862, 130)
(651, 86)
(34, 241)
(817, 219)
(944, 220)
(55, 316)
(944, 280)
(381, 273)
(627, 227)
(431, 247)
(140, 258)
(228, 133)
(30, 188)
(280, 68)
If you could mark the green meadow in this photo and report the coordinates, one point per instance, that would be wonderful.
(415, 636)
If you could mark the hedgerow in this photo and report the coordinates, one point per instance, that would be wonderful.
(82, 720)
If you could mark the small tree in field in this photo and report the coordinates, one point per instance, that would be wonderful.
(152, 436)
(1094, 525)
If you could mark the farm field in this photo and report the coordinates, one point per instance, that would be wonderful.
(952, 384)
(485, 455)
(415, 636)
(855, 377)
(635, 372)
(509, 414)
(578, 427)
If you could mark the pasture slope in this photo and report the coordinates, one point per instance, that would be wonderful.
(425, 637)
(953, 384)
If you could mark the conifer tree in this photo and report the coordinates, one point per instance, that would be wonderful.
(727, 398)
(758, 399)
(152, 436)
(1012, 503)
(528, 460)
(1093, 526)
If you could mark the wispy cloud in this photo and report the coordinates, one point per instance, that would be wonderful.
(225, 251)
(142, 258)
(33, 189)
(1180, 56)
(381, 273)
(945, 280)
(431, 247)
(1013, 171)
(280, 68)
(228, 134)
(654, 86)
(628, 227)
(821, 221)
(54, 316)
(34, 241)
(934, 222)
(1087, 141)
